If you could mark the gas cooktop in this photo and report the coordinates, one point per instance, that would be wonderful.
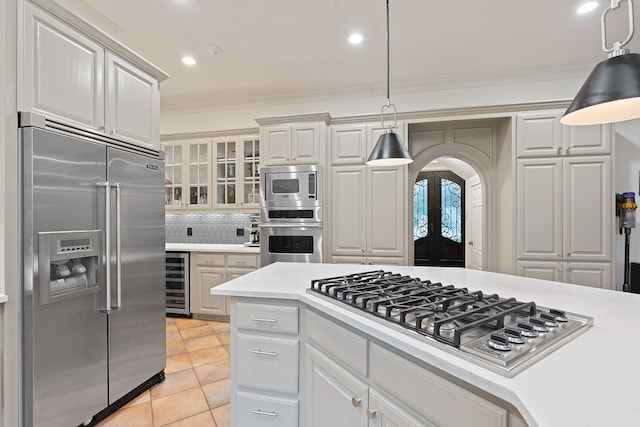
(501, 334)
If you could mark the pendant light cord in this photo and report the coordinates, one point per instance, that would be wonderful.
(388, 60)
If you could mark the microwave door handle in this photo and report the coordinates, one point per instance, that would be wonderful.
(118, 304)
(107, 245)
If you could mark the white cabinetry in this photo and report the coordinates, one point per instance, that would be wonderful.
(334, 396)
(265, 366)
(237, 175)
(72, 79)
(351, 381)
(564, 208)
(187, 174)
(132, 102)
(209, 270)
(294, 140)
(367, 213)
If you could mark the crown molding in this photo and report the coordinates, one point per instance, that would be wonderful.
(210, 134)
(481, 111)
(295, 118)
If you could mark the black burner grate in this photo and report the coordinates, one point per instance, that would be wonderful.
(445, 313)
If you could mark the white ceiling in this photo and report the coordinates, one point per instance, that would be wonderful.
(272, 49)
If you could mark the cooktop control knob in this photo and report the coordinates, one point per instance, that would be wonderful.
(527, 330)
(514, 336)
(499, 342)
(549, 320)
(539, 324)
(559, 315)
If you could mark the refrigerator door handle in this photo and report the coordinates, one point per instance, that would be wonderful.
(118, 304)
(107, 245)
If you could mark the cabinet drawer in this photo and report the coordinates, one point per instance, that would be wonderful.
(268, 318)
(257, 410)
(441, 401)
(342, 344)
(210, 260)
(242, 261)
(267, 363)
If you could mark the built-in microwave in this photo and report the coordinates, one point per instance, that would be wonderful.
(283, 186)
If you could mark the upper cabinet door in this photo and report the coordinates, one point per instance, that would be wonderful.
(62, 72)
(133, 103)
(276, 145)
(586, 140)
(305, 143)
(539, 134)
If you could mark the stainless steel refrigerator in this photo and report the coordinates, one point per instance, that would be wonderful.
(93, 310)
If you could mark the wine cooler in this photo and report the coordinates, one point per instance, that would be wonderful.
(177, 283)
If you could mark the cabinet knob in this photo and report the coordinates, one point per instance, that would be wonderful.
(356, 401)
(568, 253)
(559, 151)
(568, 151)
(470, 243)
(362, 249)
(371, 413)
(567, 269)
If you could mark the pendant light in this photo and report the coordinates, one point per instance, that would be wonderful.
(389, 150)
(611, 93)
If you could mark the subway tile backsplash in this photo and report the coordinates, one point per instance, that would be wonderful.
(206, 228)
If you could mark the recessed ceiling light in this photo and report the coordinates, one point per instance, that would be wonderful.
(587, 7)
(188, 60)
(355, 38)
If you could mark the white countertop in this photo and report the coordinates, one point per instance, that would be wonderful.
(206, 247)
(3, 298)
(591, 381)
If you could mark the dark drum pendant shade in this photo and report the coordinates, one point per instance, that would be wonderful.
(389, 151)
(610, 94)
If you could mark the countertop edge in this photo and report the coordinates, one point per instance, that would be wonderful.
(214, 247)
(3, 298)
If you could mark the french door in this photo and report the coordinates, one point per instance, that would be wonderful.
(438, 219)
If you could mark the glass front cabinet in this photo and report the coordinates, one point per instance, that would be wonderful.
(237, 179)
(187, 174)
(218, 173)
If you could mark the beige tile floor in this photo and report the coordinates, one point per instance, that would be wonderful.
(196, 390)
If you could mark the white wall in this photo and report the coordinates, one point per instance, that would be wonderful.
(626, 147)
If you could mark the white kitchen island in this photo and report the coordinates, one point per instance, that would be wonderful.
(589, 381)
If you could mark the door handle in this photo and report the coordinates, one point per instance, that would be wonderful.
(118, 304)
(107, 245)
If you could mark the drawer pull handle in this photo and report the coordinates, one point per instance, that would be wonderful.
(261, 319)
(268, 414)
(264, 353)
(356, 401)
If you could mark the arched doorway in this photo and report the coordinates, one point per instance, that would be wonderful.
(484, 147)
(476, 218)
(438, 219)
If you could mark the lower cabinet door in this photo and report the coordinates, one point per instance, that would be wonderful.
(384, 413)
(334, 397)
(256, 411)
(205, 303)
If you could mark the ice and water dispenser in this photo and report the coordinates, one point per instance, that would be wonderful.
(69, 263)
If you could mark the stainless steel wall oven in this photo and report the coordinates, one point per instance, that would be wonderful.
(291, 214)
